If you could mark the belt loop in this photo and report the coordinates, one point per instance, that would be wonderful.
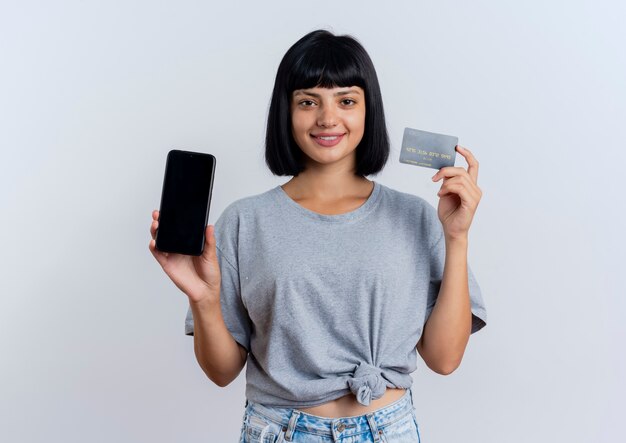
(291, 428)
(373, 427)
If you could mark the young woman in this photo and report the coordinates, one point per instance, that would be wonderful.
(327, 286)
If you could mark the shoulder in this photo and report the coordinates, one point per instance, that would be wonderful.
(407, 202)
(401, 196)
(245, 207)
(413, 212)
(239, 218)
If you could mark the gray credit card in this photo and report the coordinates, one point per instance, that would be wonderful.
(428, 149)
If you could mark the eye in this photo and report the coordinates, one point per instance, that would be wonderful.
(305, 101)
(349, 100)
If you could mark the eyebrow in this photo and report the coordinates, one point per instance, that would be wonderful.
(350, 91)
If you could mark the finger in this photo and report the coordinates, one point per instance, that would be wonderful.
(160, 256)
(153, 228)
(458, 189)
(449, 171)
(209, 252)
(155, 214)
(465, 181)
(472, 163)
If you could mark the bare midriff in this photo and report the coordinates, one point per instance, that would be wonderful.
(348, 405)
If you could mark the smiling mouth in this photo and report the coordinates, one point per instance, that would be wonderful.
(327, 140)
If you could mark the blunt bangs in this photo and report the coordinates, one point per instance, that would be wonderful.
(321, 59)
(326, 66)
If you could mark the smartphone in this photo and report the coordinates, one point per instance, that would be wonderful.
(185, 202)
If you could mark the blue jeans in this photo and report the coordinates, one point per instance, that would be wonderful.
(394, 423)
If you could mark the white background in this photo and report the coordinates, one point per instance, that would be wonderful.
(94, 94)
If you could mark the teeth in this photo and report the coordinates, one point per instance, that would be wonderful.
(329, 138)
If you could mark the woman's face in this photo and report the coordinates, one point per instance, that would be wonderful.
(336, 114)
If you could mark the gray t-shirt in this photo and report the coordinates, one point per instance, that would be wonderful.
(330, 304)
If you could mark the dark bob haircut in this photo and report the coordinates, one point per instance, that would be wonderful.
(321, 59)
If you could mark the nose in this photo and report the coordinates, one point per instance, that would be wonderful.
(327, 117)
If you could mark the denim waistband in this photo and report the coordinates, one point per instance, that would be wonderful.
(291, 419)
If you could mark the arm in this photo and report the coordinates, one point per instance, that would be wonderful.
(448, 327)
(219, 355)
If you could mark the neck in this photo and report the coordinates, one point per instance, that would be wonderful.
(327, 185)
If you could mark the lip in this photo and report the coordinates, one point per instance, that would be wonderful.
(327, 134)
(327, 143)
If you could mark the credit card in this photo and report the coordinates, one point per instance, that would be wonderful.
(428, 149)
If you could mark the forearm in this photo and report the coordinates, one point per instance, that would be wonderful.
(216, 350)
(448, 328)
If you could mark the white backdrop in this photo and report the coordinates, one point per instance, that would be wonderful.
(94, 94)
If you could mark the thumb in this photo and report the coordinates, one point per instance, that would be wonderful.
(209, 252)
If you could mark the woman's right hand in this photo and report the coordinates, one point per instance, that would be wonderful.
(197, 276)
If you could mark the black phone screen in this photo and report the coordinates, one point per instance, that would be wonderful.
(185, 202)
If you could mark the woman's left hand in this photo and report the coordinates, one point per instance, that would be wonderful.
(458, 196)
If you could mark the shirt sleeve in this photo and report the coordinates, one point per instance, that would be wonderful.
(437, 262)
(234, 312)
